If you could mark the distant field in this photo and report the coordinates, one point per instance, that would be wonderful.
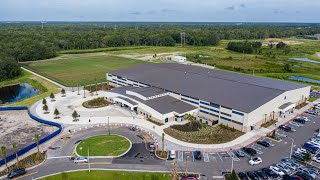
(81, 69)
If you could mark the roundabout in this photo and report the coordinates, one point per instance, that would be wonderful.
(104, 146)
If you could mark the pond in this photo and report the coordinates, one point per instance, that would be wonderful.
(305, 60)
(304, 79)
(13, 93)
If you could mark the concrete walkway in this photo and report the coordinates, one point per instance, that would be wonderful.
(116, 115)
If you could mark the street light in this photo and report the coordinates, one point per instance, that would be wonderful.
(108, 126)
(231, 160)
(291, 145)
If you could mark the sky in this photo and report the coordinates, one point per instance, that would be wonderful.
(161, 10)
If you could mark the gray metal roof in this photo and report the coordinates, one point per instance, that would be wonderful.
(128, 100)
(148, 91)
(238, 91)
(163, 105)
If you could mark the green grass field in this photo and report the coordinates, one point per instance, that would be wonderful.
(81, 70)
(103, 145)
(44, 86)
(102, 175)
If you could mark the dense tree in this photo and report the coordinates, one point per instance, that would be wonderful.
(9, 69)
(287, 68)
(281, 45)
(244, 47)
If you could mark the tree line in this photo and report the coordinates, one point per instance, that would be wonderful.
(244, 47)
(28, 42)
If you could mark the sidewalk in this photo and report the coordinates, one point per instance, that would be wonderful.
(116, 115)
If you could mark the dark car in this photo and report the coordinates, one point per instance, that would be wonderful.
(197, 155)
(285, 128)
(17, 172)
(243, 176)
(299, 120)
(262, 175)
(250, 151)
(304, 175)
(263, 143)
(270, 173)
(253, 175)
(287, 177)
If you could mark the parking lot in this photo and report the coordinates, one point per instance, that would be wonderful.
(270, 155)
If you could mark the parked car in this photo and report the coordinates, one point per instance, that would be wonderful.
(290, 165)
(172, 154)
(250, 151)
(80, 160)
(197, 155)
(255, 161)
(188, 178)
(302, 151)
(252, 175)
(264, 143)
(239, 153)
(301, 121)
(285, 128)
(277, 170)
(287, 177)
(284, 168)
(17, 172)
(304, 175)
(152, 145)
(243, 176)
(295, 124)
(312, 112)
(270, 173)
(308, 171)
(262, 175)
(298, 156)
(294, 162)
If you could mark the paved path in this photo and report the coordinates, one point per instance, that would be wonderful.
(116, 115)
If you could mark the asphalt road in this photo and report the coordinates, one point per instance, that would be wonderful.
(138, 158)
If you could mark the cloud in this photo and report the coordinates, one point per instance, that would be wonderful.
(231, 8)
(278, 11)
(243, 6)
(165, 10)
(136, 13)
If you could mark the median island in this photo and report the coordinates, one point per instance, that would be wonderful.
(104, 145)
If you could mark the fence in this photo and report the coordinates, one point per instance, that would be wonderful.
(31, 146)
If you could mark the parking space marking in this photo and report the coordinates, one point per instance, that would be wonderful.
(206, 157)
(219, 157)
(280, 134)
(258, 151)
(192, 156)
(29, 174)
(233, 156)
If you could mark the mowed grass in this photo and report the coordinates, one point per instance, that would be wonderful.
(103, 145)
(102, 175)
(81, 69)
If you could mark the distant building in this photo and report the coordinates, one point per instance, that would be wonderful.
(166, 92)
(314, 37)
(179, 59)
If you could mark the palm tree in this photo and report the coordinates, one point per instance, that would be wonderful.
(56, 112)
(96, 86)
(84, 91)
(273, 112)
(4, 155)
(307, 157)
(15, 148)
(175, 175)
(190, 118)
(162, 138)
(45, 108)
(36, 139)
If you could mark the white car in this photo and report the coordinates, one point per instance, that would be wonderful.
(314, 144)
(172, 154)
(255, 161)
(304, 118)
(284, 167)
(277, 170)
(302, 150)
(80, 160)
(316, 159)
(292, 123)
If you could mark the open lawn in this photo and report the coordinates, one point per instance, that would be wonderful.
(203, 135)
(103, 145)
(45, 87)
(102, 175)
(81, 70)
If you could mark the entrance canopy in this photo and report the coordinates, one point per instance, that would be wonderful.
(126, 101)
(286, 107)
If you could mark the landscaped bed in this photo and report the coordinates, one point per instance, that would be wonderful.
(203, 134)
(104, 145)
(97, 175)
(269, 123)
(96, 103)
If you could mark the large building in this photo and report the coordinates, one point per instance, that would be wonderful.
(166, 92)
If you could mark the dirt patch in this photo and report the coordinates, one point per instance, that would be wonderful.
(275, 41)
(146, 57)
(318, 54)
(17, 126)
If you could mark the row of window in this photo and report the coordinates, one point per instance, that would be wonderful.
(226, 114)
(239, 113)
(221, 117)
(213, 110)
(193, 102)
(206, 112)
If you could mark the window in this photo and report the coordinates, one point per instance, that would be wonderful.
(189, 101)
(214, 105)
(226, 107)
(224, 118)
(237, 122)
(205, 103)
(110, 75)
(226, 114)
(239, 113)
(204, 111)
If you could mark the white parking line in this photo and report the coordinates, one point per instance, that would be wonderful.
(219, 157)
(206, 157)
(180, 156)
(233, 156)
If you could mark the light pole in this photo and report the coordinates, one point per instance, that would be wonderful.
(291, 145)
(108, 126)
(187, 165)
(89, 157)
(231, 160)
